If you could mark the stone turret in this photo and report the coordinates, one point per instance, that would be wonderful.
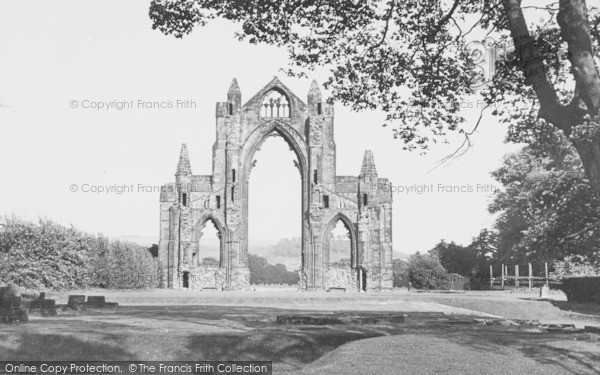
(184, 167)
(234, 97)
(314, 94)
(368, 180)
(183, 176)
(368, 170)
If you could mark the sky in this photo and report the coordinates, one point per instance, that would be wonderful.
(61, 60)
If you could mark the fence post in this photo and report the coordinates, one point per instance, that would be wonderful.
(491, 276)
(502, 283)
(546, 273)
(530, 279)
(517, 275)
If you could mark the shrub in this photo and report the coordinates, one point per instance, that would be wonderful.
(479, 281)
(123, 265)
(576, 266)
(426, 272)
(43, 255)
(210, 261)
(401, 271)
(584, 289)
(47, 255)
(261, 272)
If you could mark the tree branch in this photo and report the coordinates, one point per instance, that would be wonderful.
(465, 146)
(386, 27)
(443, 21)
(575, 29)
(576, 234)
(535, 70)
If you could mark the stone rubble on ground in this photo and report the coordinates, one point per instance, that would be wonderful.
(11, 308)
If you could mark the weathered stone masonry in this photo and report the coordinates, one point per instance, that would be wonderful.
(363, 203)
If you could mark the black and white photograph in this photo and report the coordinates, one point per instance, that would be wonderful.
(300, 187)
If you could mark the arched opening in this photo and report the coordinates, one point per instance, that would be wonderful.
(339, 246)
(274, 215)
(209, 245)
(339, 249)
(208, 255)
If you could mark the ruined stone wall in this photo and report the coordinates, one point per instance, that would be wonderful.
(222, 197)
(205, 277)
(341, 277)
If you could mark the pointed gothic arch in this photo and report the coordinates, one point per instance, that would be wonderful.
(351, 227)
(291, 136)
(344, 277)
(222, 197)
(251, 145)
(221, 233)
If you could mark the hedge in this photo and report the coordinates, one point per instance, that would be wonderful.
(582, 289)
(47, 255)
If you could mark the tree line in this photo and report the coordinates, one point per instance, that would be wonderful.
(417, 61)
(546, 212)
(47, 255)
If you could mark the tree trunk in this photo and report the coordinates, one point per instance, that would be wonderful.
(589, 152)
(575, 31)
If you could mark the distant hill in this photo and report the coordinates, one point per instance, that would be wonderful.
(286, 250)
(292, 246)
(208, 241)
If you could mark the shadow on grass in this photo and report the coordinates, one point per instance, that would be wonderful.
(259, 338)
(573, 353)
(190, 314)
(592, 309)
(37, 346)
(292, 347)
(299, 346)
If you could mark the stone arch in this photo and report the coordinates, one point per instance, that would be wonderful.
(221, 229)
(250, 146)
(289, 134)
(240, 132)
(336, 277)
(350, 226)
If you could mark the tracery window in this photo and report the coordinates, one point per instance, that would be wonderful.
(275, 104)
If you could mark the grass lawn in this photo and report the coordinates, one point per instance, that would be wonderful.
(185, 325)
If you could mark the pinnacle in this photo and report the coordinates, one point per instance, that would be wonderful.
(368, 165)
(314, 86)
(184, 167)
(234, 86)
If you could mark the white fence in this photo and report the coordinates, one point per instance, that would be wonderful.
(517, 280)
